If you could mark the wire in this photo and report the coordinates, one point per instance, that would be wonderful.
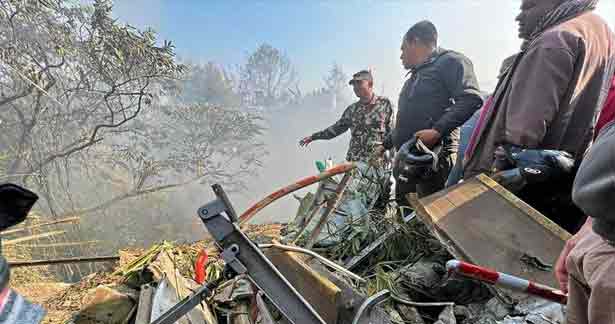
(416, 304)
(320, 258)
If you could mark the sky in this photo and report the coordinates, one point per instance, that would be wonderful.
(356, 34)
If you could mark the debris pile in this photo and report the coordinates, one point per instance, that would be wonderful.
(365, 251)
(401, 255)
(91, 299)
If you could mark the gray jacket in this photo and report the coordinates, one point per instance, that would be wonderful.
(442, 94)
(594, 185)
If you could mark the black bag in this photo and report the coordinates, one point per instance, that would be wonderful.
(15, 204)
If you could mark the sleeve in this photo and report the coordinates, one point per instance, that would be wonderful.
(389, 128)
(337, 129)
(535, 98)
(389, 120)
(461, 82)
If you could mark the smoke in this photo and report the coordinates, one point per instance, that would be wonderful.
(285, 163)
(472, 32)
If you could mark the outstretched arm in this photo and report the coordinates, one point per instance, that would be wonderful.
(337, 129)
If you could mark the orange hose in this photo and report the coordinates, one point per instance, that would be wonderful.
(250, 212)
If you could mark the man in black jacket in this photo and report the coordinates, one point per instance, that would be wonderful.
(441, 94)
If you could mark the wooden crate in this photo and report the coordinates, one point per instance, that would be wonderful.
(481, 222)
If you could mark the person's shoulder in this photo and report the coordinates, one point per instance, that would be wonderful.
(571, 33)
(557, 38)
(385, 102)
(383, 99)
(352, 107)
(451, 57)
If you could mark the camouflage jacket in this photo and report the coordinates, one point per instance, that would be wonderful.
(369, 124)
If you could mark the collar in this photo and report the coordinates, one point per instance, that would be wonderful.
(371, 102)
(437, 52)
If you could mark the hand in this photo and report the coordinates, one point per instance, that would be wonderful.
(561, 270)
(306, 141)
(379, 150)
(429, 137)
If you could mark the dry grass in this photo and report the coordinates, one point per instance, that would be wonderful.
(62, 302)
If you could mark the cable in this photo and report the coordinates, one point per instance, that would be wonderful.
(320, 258)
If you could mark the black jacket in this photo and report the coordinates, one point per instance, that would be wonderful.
(442, 94)
(594, 185)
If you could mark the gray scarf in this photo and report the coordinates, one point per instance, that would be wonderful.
(567, 10)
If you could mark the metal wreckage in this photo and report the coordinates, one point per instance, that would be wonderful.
(346, 257)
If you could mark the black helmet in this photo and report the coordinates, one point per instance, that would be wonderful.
(415, 162)
(534, 166)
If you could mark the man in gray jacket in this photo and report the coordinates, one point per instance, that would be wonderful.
(585, 267)
(441, 94)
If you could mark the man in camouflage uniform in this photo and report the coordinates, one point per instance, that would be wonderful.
(368, 119)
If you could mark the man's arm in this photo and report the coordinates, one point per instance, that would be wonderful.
(460, 81)
(337, 129)
(535, 97)
(561, 269)
(389, 122)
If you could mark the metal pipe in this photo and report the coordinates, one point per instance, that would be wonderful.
(31, 263)
(331, 206)
(417, 304)
(504, 280)
(320, 258)
(250, 212)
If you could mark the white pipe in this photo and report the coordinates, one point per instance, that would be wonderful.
(320, 258)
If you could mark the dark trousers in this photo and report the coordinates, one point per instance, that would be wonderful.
(428, 187)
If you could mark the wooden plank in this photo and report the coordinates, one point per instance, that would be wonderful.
(73, 220)
(350, 299)
(481, 222)
(32, 237)
(33, 263)
(331, 206)
(144, 310)
(537, 216)
(52, 245)
(317, 290)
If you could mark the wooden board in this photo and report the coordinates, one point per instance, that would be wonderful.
(317, 290)
(335, 300)
(481, 222)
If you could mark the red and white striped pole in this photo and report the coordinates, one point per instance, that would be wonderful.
(506, 281)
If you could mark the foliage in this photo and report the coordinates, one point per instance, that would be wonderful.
(75, 81)
(89, 103)
(266, 77)
(336, 83)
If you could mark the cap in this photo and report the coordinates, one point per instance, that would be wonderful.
(361, 75)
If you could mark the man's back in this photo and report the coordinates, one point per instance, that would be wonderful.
(554, 93)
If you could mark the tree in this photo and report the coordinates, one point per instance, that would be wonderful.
(86, 102)
(336, 83)
(266, 77)
(180, 145)
(336, 80)
(209, 83)
(76, 79)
